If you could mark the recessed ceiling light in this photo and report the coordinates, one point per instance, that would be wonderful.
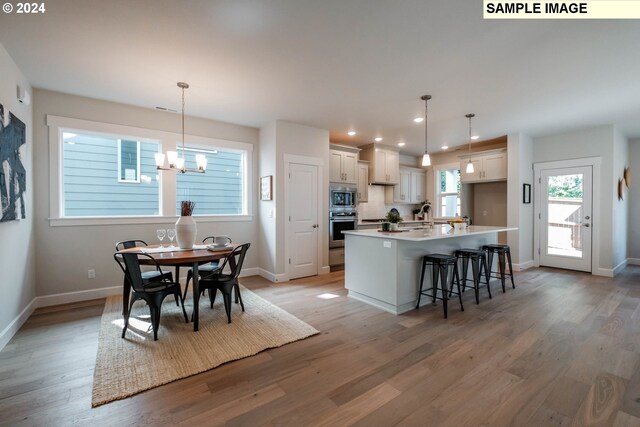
(445, 147)
(474, 137)
(401, 144)
(351, 132)
(378, 139)
(419, 119)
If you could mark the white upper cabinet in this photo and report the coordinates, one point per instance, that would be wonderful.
(384, 164)
(488, 166)
(363, 182)
(343, 167)
(410, 190)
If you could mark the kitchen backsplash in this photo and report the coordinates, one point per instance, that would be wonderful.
(376, 208)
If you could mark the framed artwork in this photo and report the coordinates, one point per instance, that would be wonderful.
(13, 175)
(627, 176)
(620, 190)
(526, 193)
(266, 187)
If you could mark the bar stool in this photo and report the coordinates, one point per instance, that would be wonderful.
(440, 264)
(478, 260)
(502, 251)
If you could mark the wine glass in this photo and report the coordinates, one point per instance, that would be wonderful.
(161, 232)
(171, 233)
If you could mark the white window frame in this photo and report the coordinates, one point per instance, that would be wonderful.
(131, 181)
(437, 170)
(168, 141)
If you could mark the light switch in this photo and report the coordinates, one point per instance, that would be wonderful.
(386, 244)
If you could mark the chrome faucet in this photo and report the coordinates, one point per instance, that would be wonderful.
(427, 205)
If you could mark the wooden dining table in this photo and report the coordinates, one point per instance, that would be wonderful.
(178, 258)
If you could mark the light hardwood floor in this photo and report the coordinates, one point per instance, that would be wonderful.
(562, 348)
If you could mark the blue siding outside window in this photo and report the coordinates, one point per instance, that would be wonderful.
(90, 178)
(219, 191)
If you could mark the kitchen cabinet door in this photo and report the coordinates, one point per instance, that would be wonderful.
(350, 168)
(476, 175)
(363, 182)
(392, 167)
(417, 187)
(494, 167)
(335, 166)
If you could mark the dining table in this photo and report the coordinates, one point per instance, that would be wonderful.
(173, 256)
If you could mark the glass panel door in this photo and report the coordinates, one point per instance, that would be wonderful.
(566, 218)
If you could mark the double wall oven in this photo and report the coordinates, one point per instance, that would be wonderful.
(342, 213)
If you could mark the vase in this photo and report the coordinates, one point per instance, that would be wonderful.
(393, 226)
(186, 232)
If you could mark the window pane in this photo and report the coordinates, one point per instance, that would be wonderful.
(91, 178)
(450, 205)
(449, 193)
(218, 191)
(128, 160)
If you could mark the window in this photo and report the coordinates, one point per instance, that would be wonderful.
(448, 192)
(105, 175)
(219, 191)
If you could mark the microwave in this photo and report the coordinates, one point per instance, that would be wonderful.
(343, 198)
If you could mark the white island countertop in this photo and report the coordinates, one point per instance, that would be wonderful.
(437, 232)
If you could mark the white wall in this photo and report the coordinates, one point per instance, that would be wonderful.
(267, 211)
(634, 202)
(17, 254)
(64, 254)
(294, 139)
(620, 207)
(593, 142)
(520, 171)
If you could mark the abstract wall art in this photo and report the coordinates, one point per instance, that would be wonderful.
(13, 176)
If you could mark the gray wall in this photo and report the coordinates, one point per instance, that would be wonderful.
(64, 254)
(634, 202)
(17, 254)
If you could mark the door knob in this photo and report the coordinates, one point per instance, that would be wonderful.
(587, 217)
(315, 225)
(586, 225)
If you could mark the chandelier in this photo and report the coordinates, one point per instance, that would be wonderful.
(176, 162)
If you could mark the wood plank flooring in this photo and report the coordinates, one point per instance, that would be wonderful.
(562, 349)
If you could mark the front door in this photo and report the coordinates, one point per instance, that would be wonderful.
(565, 218)
(303, 217)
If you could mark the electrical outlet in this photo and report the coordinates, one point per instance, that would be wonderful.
(386, 244)
(91, 274)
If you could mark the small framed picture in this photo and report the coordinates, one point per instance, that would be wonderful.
(526, 193)
(266, 187)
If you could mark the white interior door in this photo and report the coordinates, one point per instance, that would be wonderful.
(566, 217)
(303, 217)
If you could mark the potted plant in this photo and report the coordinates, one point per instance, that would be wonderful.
(394, 218)
(186, 226)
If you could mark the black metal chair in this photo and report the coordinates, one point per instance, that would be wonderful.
(226, 283)
(205, 269)
(153, 275)
(153, 293)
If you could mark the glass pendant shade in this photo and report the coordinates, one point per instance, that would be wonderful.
(426, 160)
(172, 157)
(470, 168)
(180, 163)
(159, 159)
(201, 161)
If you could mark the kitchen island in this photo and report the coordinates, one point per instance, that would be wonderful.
(383, 269)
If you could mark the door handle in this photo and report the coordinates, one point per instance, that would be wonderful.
(315, 225)
(586, 225)
(587, 217)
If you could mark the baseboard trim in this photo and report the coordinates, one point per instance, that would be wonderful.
(603, 272)
(69, 297)
(15, 325)
(324, 270)
(272, 277)
(524, 265)
(633, 261)
(252, 271)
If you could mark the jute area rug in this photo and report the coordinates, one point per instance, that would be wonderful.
(125, 367)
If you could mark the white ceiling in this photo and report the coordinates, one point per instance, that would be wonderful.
(339, 64)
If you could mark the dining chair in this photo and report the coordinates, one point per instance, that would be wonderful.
(204, 268)
(226, 283)
(153, 293)
(152, 275)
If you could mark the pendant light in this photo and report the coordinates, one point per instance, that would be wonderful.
(176, 163)
(426, 159)
(470, 168)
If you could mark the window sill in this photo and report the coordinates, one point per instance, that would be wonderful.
(69, 222)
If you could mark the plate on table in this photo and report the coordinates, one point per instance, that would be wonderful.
(218, 248)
